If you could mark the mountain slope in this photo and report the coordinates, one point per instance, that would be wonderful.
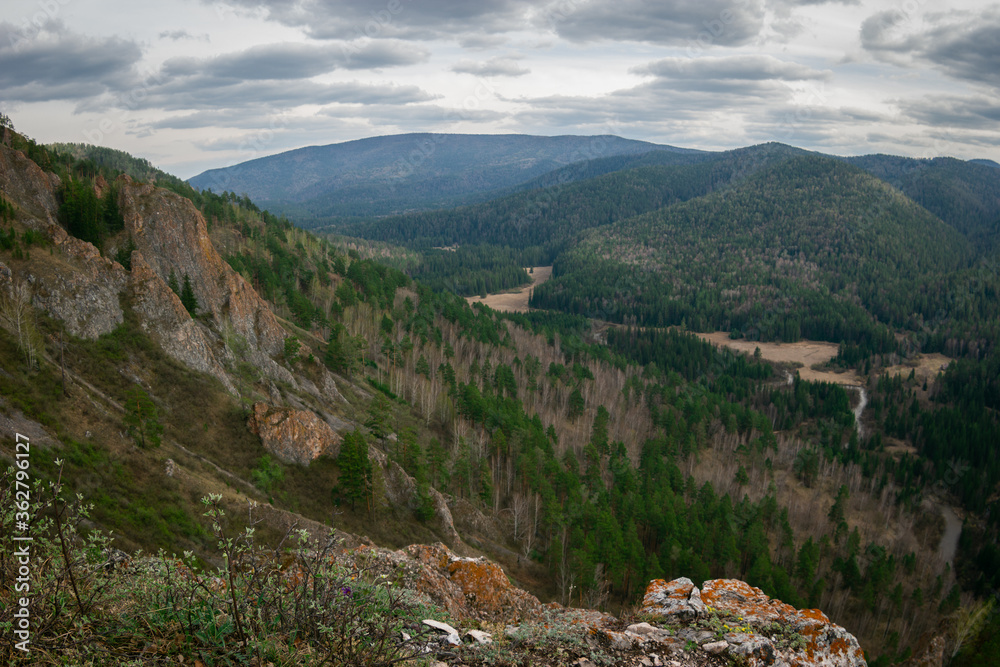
(808, 247)
(382, 175)
(585, 474)
(966, 195)
(562, 206)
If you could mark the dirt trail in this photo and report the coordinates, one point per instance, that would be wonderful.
(515, 301)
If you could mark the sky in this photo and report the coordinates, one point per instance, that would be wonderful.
(192, 85)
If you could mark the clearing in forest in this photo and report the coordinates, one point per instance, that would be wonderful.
(515, 301)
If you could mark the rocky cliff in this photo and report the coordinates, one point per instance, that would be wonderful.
(172, 237)
(78, 286)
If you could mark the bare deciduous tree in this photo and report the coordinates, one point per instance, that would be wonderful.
(19, 316)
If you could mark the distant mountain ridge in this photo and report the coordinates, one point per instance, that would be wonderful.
(393, 174)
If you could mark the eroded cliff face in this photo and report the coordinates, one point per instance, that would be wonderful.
(85, 290)
(172, 237)
(163, 317)
(77, 285)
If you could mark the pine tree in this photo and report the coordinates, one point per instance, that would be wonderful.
(379, 417)
(599, 432)
(188, 299)
(422, 367)
(576, 404)
(355, 480)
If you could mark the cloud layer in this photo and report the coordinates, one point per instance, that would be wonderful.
(187, 83)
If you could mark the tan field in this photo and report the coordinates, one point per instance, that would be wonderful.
(515, 301)
(805, 352)
(925, 366)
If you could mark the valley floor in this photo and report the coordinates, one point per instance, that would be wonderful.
(515, 301)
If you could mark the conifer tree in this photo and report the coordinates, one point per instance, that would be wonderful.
(355, 480)
(188, 298)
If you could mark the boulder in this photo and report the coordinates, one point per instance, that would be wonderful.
(826, 643)
(484, 590)
(294, 436)
(678, 599)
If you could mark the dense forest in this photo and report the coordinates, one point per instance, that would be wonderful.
(642, 452)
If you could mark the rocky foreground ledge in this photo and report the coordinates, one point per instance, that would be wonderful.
(726, 622)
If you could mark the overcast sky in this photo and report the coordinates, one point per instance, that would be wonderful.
(192, 85)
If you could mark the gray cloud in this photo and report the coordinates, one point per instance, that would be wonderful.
(297, 61)
(177, 35)
(497, 66)
(968, 48)
(964, 45)
(200, 92)
(403, 19)
(730, 68)
(414, 117)
(481, 40)
(54, 63)
(972, 113)
(669, 22)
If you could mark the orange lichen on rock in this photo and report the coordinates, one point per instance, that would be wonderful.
(742, 599)
(826, 643)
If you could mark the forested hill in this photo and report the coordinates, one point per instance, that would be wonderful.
(554, 212)
(810, 247)
(963, 194)
(383, 175)
(587, 469)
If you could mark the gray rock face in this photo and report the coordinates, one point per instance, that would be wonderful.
(826, 644)
(86, 296)
(25, 184)
(164, 319)
(173, 237)
(678, 598)
(75, 284)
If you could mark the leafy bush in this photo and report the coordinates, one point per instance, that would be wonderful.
(292, 605)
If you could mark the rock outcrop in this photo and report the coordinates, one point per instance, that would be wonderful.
(83, 289)
(172, 236)
(77, 285)
(163, 317)
(23, 182)
(761, 630)
(727, 622)
(470, 587)
(294, 436)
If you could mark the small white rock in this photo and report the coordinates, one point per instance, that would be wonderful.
(451, 634)
(480, 636)
(716, 648)
(641, 628)
(438, 625)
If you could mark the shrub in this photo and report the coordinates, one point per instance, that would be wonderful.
(295, 603)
